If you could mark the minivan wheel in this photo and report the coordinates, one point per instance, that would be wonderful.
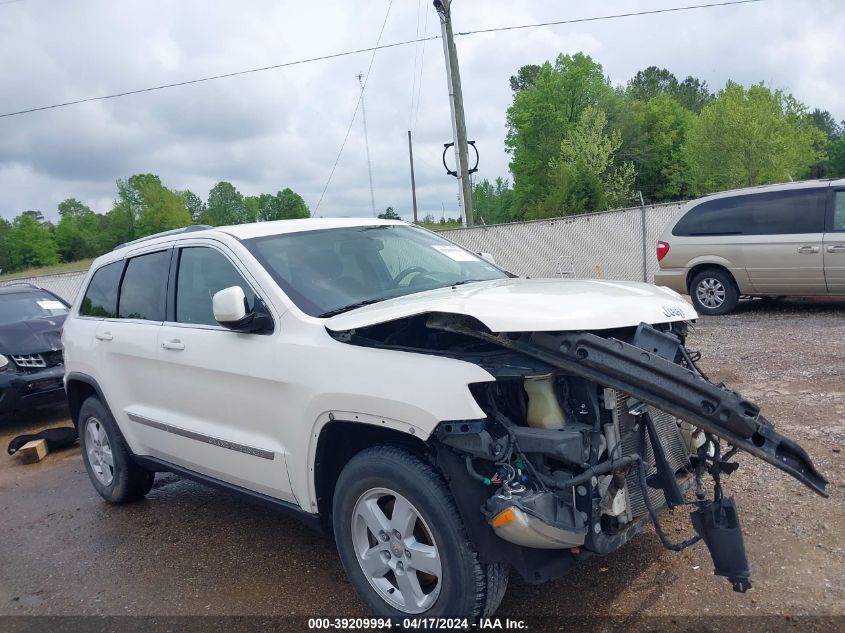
(403, 544)
(108, 461)
(714, 291)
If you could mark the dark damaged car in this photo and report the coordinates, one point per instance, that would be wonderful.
(31, 363)
(448, 422)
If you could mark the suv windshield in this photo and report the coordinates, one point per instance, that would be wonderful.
(26, 306)
(329, 271)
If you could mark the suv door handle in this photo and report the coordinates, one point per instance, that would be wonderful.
(838, 248)
(808, 249)
(104, 336)
(174, 344)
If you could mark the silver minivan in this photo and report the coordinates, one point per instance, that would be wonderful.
(771, 241)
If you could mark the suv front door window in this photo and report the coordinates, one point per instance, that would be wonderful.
(212, 399)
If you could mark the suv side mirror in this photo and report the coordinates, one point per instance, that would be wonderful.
(487, 257)
(231, 310)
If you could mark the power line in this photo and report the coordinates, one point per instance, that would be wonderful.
(414, 71)
(214, 77)
(609, 17)
(364, 50)
(419, 83)
(357, 105)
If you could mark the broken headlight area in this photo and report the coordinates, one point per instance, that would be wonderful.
(573, 464)
(588, 437)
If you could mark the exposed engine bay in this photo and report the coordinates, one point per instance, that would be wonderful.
(588, 437)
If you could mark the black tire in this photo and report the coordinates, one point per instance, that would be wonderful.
(717, 289)
(467, 588)
(128, 481)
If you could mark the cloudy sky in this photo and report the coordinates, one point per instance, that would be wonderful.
(283, 128)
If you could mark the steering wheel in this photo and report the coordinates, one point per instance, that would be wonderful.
(408, 271)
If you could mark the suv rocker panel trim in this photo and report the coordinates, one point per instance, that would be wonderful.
(292, 509)
(201, 437)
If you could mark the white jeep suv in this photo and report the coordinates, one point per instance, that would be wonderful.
(446, 421)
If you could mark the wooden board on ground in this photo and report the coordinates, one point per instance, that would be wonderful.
(33, 451)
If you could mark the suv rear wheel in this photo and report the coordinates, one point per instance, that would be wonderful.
(713, 291)
(403, 544)
(108, 461)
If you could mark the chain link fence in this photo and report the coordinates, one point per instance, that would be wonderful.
(65, 285)
(607, 245)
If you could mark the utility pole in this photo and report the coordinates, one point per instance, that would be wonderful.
(413, 180)
(367, 144)
(456, 101)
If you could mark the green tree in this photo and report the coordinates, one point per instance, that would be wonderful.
(5, 255)
(144, 206)
(30, 243)
(225, 205)
(493, 201)
(835, 165)
(651, 82)
(693, 94)
(542, 114)
(750, 137)
(389, 214)
(653, 134)
(824, 120)
(285, 205)
(524, 77)
(584, 172)
(193, 203)
(78, 232)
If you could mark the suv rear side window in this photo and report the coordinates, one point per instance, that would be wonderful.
(203, 272)
(144, 289)
(771, 213)
(100, 298)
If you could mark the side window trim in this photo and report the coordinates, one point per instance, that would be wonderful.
(78, 314)
(126, 261)
(173, 287)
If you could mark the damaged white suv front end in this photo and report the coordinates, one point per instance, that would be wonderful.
(447, 421)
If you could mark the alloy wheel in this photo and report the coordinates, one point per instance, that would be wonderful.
(396, 550)
(99, 451)
(710, 292)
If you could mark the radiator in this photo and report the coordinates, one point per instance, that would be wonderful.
(671, 440)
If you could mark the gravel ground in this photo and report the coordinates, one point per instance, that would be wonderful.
(188, 550)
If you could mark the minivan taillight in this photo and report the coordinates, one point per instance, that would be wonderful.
(662, 249)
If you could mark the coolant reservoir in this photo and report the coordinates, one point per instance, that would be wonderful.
(544, 410)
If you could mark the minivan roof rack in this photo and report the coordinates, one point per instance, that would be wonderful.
(185, 229)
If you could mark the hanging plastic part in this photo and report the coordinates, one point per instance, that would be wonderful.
(717, 522)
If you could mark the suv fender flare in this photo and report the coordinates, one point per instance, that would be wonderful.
(75, 400)
(412, 431)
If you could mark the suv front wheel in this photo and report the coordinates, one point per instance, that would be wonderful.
(713, 291)
(108, 461)
(403, 544)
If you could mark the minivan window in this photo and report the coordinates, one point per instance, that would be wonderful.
(203, 272)
(839, 212)
(770, 213)
(100, 298)
(144, 289)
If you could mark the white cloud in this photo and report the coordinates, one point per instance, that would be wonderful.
(282, 128)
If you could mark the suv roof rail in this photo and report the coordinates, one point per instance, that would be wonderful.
(185, 229)
(21, 283)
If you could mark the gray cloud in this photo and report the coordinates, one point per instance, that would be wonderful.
(282, 128)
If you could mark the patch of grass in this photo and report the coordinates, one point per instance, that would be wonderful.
(65, 267)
